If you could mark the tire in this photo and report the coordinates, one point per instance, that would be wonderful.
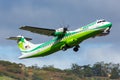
(75, 49)
(64, 48)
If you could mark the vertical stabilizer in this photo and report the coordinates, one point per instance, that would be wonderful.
(23, 43)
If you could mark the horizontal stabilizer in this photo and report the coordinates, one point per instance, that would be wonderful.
(18, 37)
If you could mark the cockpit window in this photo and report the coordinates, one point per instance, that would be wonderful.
(99, 21)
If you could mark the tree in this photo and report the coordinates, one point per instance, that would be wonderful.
(99, 69)
(77, 70)
(115, 73)
(36, 76)
(87, 71)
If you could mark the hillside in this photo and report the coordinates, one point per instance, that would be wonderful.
(13, 71)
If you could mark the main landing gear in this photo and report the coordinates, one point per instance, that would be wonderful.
(65, 47)
(76, 48)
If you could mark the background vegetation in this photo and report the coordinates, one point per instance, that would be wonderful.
(97, 71)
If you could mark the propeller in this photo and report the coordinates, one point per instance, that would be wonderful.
(65, 28)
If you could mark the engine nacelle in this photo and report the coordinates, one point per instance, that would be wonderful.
(60, 32)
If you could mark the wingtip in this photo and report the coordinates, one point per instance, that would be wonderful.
(7, 38)
(10, 38)
(21, 27)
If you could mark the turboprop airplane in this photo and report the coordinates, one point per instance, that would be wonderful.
(63, 38)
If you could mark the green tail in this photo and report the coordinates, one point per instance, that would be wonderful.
(23, 42)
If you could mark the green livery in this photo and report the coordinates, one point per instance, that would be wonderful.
(63, 39)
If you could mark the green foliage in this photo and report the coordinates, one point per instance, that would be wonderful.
(98, 71)
(68, 71)
(6, 78)
(87, 71)
(69, 78)
(50, 68)
(77, 70)
(115, 73)
(82, 71)
(36, 76)
(14, 69)
(5, 63)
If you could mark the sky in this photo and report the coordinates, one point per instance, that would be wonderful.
(54, 14)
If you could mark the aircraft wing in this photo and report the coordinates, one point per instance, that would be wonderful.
(43, 31)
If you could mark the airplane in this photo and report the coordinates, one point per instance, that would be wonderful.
(63, 38)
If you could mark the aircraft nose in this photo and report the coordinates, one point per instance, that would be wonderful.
(109, 24)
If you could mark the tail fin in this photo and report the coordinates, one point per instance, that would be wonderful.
(23, 42)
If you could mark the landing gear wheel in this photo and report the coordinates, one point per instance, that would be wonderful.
(75, 49)
(108, 31)
(64, 48)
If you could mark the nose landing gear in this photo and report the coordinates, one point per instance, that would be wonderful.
(107, 30)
